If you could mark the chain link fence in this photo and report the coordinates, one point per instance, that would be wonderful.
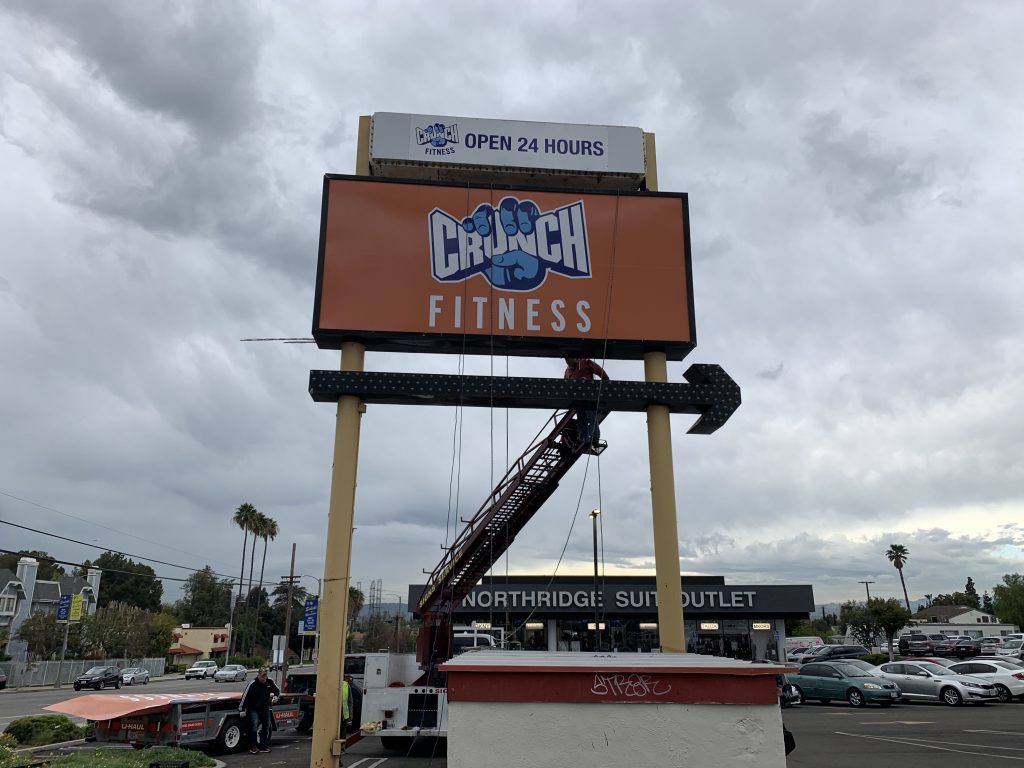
(22, 675)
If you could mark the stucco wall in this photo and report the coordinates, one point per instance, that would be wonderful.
(542, 735)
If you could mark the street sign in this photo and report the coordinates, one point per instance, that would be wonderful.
(63, 609)
(311, 619)
(76, 607)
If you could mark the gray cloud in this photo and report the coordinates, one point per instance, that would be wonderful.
(853, 214)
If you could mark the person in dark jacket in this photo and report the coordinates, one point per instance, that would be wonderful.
(587, 428)
(259, 694)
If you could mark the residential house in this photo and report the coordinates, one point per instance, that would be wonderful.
(960, 620)
(194, 643)
(23, 593)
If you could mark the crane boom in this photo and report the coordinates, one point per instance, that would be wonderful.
(529, 482)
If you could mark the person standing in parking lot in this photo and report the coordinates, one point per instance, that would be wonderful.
(259, 694)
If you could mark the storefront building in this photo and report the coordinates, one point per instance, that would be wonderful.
(566, 613)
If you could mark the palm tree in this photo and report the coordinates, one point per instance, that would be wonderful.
(898, 555)
(255, 527)
(267, 529)
(244, 517)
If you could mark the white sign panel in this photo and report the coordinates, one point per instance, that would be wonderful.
(507, 143)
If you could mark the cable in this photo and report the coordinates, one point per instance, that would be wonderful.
(92, 522)
(105, 570)
(107, 549)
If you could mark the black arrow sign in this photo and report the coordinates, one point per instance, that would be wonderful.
(710, 392)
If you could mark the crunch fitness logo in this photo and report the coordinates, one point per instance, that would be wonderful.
(436, 137)
(514, 245)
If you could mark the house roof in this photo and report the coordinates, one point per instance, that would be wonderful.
(944, 611)
(46, 592)
(182, 650)
(6, 577)
(73, 585)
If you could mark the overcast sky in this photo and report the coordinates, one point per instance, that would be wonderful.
(854, 172)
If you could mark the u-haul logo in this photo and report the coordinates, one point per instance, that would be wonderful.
(514, 246)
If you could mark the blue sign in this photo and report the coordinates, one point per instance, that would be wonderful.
(310, 622)
(776, 634)
(64, 609)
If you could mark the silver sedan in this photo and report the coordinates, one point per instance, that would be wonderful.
(230, 672)
(134, 675)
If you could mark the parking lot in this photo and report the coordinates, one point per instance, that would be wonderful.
(909, 735)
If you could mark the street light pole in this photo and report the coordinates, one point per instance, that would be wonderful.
(597, 623)
(865, 583)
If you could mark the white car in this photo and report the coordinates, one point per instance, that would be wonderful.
(134, 675)
(202, 669)
(1014, 648)
(230, 672)
(1008, 678)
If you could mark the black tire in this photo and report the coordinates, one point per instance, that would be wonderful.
(99, 686)
(130, 681)
(396, 743)
(145, 681)
(798, 695)
(139, 746)
(306, 722)
(1005, 697)
(951, 696)
(231, 736)
(117, 685)
(856, 698)
(77, 686)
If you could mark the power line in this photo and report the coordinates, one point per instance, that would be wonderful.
(105, 570)
(92, 522)
(108, 549)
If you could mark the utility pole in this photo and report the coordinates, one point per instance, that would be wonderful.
(597, 620)
(865, 583)
(288, 618)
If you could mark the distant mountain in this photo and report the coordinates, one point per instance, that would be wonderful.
(915, 606)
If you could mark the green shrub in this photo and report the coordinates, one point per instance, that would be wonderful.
(39, 730)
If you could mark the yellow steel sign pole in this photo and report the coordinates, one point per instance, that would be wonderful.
(663, 484)
(327, 734)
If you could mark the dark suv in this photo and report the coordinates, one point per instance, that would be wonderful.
(98, 677)
(924, 645)
(833, 652)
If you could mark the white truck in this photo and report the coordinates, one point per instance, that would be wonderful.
(398, 706)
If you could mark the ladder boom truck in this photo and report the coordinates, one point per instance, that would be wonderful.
(400, 713)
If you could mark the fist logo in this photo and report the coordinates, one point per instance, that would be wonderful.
(515, 269)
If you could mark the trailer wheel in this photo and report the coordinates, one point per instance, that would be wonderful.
(230, 737)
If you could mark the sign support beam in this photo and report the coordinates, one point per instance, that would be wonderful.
(663, 484)
(328, 738)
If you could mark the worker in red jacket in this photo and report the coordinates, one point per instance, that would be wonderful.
(586, 419)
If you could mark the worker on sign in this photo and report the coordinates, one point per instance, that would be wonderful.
(586, 419)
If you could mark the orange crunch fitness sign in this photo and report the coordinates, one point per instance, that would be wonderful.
(449, 268)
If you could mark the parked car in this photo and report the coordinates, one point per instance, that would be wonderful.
(924, 644)
(134, 675)
(990, 644)
(833, 652)
(925, 681)
(965, 649)
(903, 642)
(834, 680)
(3, 680)
(948, 647)
(867, 666)
(932, 660)
(230, 672)
(1013, 648)
(1006, 677)
(803, 655)
(202, 669)
(1005, 659)
(98, 678)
